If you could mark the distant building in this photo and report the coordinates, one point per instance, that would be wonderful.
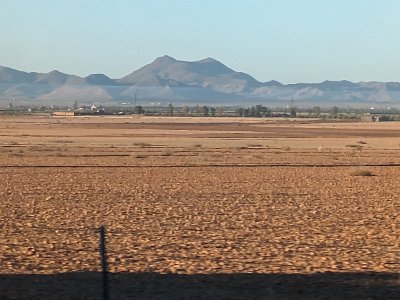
(63, 114)
(370, 118)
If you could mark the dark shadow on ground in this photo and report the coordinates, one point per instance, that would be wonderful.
(86, 285)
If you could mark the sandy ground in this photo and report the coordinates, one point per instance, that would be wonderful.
(197, 197)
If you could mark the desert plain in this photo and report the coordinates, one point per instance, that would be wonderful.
(199, 208)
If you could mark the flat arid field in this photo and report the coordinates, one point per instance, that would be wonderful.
(199, 208)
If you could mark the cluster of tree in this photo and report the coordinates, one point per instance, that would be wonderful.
(201, 111)
(125, 110)
(256, 111)
(316, 111)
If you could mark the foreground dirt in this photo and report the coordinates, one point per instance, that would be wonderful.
(189, 207)
(200, 220)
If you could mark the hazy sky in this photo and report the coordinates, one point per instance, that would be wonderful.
(286, 40)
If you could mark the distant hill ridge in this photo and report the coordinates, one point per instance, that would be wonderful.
(205, 81)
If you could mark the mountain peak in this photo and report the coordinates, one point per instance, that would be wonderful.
(208, 60)
(55, 72)
(165, 58)
(99, 79)
(273, 83)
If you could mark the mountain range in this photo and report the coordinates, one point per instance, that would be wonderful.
(206, 81)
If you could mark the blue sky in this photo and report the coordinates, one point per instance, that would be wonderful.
(285, 40)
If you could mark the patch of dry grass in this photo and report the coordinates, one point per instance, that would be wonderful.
(361, 172)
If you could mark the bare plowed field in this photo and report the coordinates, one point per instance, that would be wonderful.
(199, 208)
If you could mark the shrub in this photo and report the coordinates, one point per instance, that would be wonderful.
(361, 172)
(167, 153)
(354, 146)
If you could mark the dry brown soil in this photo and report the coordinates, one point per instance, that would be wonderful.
(213, 208)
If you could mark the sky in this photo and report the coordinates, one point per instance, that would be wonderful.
(286, 40)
